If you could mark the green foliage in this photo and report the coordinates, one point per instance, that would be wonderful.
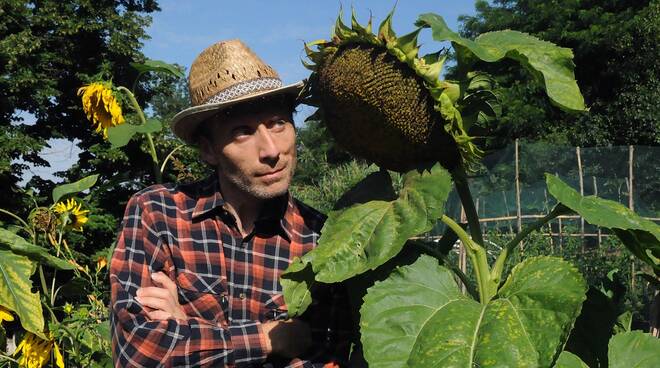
(78, 186)
(35, 253)
(364, 236)
(630, 349)
(534, 310)
(48, 49)
(640, 235)
(16, 291)
(548, 63)
(120, 135)
(615, 46)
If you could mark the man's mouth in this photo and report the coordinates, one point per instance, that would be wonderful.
(271, 174)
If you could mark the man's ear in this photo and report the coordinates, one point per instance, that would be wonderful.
(207, 150)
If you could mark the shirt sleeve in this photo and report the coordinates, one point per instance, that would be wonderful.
(138, 341)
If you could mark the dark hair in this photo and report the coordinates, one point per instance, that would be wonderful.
(274, 102)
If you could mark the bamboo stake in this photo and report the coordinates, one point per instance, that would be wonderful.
(600, 237)
(518, 211)
(579, 162)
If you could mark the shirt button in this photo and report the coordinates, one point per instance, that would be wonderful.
(241, 295)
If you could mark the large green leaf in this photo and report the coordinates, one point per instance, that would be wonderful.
(569, 360)
(634, 349)
(15, 291)
(159, 67)
(433, 325)
(640, 235)
(364, 236)
(120, 135)
(79, 186)
(550, 64)
(20, 246)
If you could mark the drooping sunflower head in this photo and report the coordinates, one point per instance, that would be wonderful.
(75, 216)
(101, 106)
(383, 102)
(35, 352)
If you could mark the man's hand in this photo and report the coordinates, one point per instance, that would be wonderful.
(288, 339)
(163, 299)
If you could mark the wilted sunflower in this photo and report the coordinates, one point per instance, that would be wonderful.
(385, 103)
(35, 352)
(101, 106)
(77, 217)
(5, 314)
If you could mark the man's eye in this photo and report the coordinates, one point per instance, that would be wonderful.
(241, 131)
(278, 125)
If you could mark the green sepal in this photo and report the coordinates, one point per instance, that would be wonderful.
(406, 45)
(385, 31)
(357, 27)
(430, 66)
(342, 31)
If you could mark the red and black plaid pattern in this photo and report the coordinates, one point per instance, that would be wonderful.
(228, 285)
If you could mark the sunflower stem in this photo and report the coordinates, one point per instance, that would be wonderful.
(150, 141)
(477, 255)
(463, 190)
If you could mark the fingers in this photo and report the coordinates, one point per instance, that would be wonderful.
(154, 292)
(155, 303)
(159, 314)
(164, 281)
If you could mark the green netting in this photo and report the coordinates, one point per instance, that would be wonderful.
(605, 172)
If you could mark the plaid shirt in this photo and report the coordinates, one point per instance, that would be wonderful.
(228, 285)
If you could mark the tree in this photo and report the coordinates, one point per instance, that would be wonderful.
(616, 47)
(48, 49)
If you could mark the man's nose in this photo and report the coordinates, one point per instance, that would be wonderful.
(268, 150)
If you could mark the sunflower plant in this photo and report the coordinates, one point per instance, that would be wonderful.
(37, 248)
(102, 104)
(387, 104)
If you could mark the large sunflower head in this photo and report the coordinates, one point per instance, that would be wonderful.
(385, 103)
(73, 212)
(101, 106)
(35, 352)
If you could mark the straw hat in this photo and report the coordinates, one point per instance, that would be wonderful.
(223, 75)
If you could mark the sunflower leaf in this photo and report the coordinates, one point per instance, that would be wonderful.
(20, 246)
(80, 185)
(158, 67)
(639, 235)
(16, 294)
(549, 64)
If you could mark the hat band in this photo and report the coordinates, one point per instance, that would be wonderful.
(244, 89)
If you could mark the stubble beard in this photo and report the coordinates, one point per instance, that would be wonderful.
(241, 181)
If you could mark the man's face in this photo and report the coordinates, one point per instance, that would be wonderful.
(254, 151)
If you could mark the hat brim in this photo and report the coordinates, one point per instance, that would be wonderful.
(185, 123)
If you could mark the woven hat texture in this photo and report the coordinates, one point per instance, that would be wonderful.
(222, 75)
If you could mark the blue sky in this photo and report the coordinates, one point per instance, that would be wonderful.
(274, 29)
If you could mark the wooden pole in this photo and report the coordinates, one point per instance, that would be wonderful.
(518, 210)
(552, 245)
(506, 206)
(631, 201)
(600, 234)
(579, 162)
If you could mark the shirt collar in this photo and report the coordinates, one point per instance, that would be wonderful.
(277, 211)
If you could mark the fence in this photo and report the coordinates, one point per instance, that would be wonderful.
(510, 190)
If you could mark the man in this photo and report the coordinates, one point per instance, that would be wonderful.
(195, 274)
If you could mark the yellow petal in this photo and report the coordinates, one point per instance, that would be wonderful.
(59, 359)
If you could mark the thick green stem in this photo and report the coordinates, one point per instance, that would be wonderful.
(463, 190)
(498, 266)
(150, 141)
(25, 224)
(477, 255)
